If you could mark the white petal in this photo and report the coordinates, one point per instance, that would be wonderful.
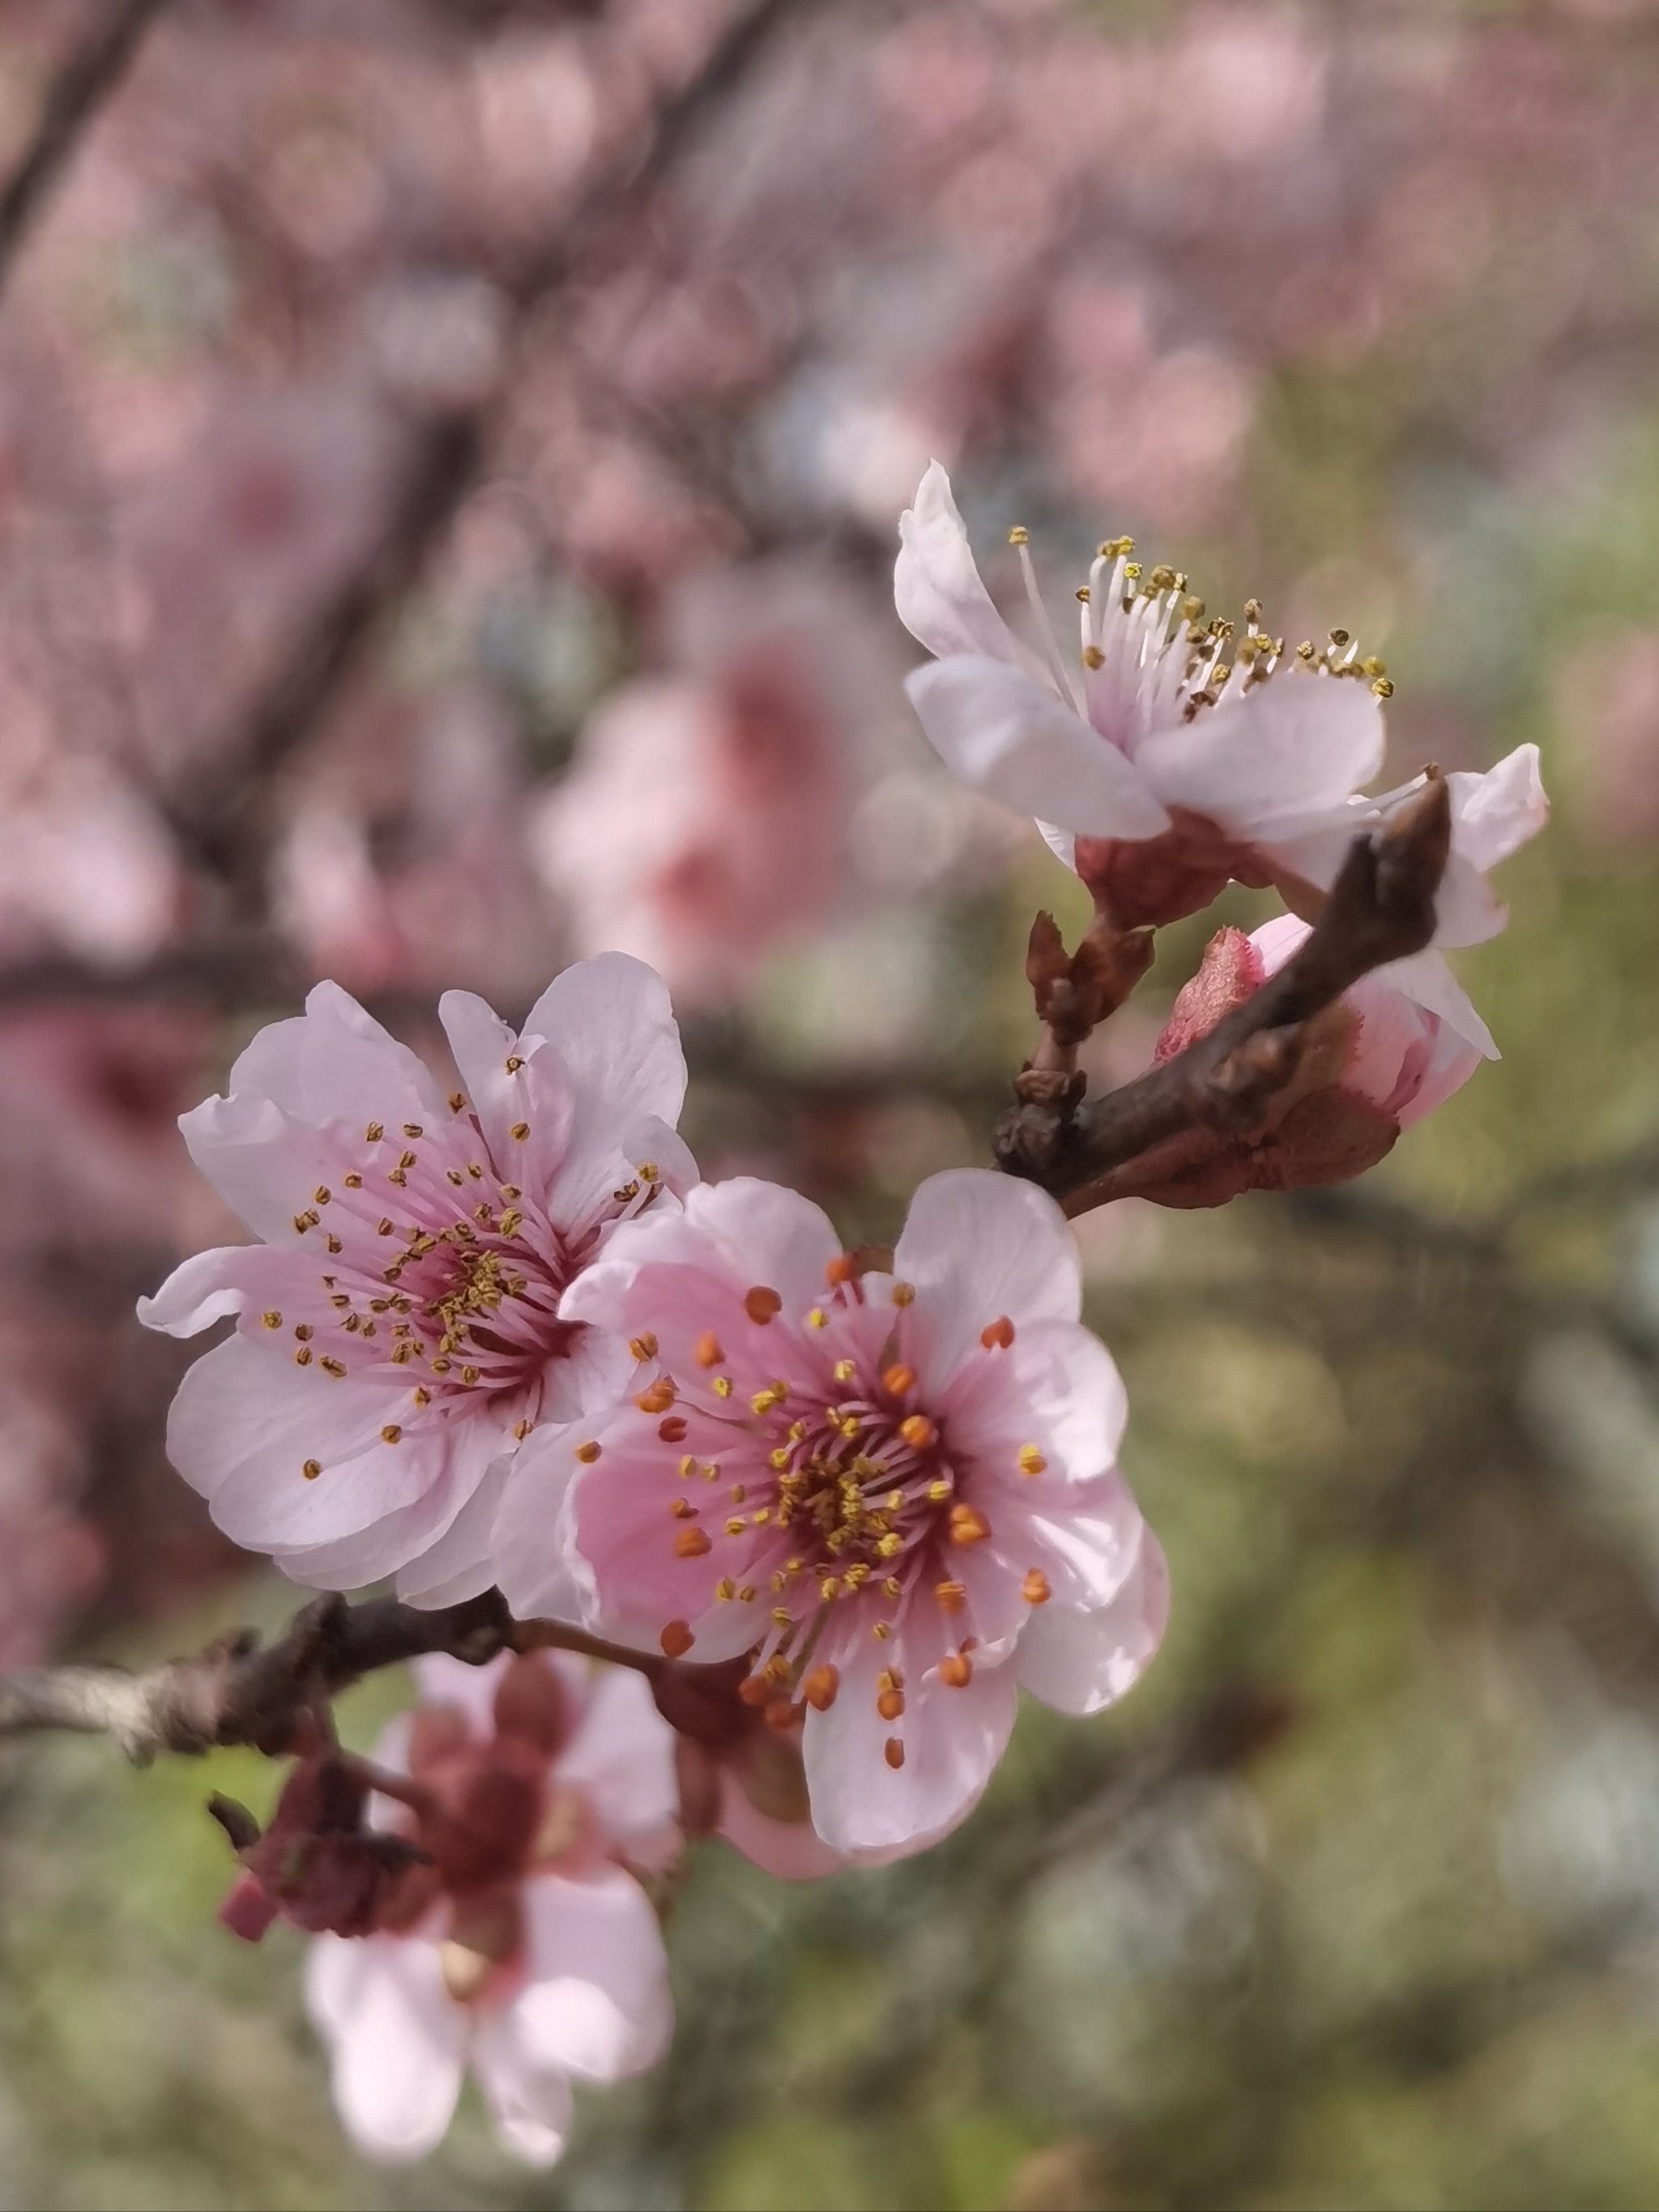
(1495, 814)
(263, 1162)
(540, 1574)
(531, 2106)
(978, 1245)
(459, 1563)
(334, 1066)
(1079, 1661)
(1426, 980)
(611, 1022)
(203, 1289)
(397, 2041)
(937, 588)
(1000, 732)
(767, 1235)
(1290, 746)
(1072, 1382)
(597, 2004)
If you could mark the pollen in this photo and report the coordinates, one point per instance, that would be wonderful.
(374, 1132)
(817, 1318)
(520, 1130)
(657, 1397)
(955, 1669)
(304, 1331)
(904, 1294)
(1031, 1461)
(272, 1320)
(820, 1688)
(889, 1704)
(391, 1434)
(773, 1394)
(334, 1367)
(457, 1101)
(893, 1751)
(672, 1431)
(692, 1543)
(1035, 1589)
(845, 1370)
(951, 1596)
(997, 1335)
(708, 1351)
(722, 1386)
(899, 1379)
(677, 1639)
(968, 1524)
(754, 1690)
(761, 1304)
(587, 1453)
(919, 1432)
(312, 1469)
(840, 1271)
(643, 1347)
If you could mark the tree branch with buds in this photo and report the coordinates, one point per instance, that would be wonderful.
(1085, 1151)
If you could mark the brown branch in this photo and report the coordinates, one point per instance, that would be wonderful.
(239, 1691)
(1380, 908)
(87, 79)
(223, 824)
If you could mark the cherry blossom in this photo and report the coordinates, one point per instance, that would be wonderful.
(1181, 753)
(1396, 1045)
(897, 1491)
(528, 1948)
(398, 1328)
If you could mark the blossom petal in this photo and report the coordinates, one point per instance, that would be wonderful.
(1426, 980)
(1002, 733)
(1080, 1662)
(398, 2040)
(977, 1245)
(459, 1564)
(334, 1066)
(531, 2104)
(953, 1740)
(1071, 1383)
(597, 2003)
(1495, 814)
(210, 1286)
(937, 588)
(1289, 747)
(611, 1021)
(623, 1755)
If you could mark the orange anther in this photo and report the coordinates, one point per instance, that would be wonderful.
(893, 1751)
(956, 1669)
(708, 1354)
(891, 1705)
(952, 1596)
(657, 1397)
(691, 1543)
(820, 1688)
(1035, 1589)
(840, 1270)
(780, 1716)
(761, 1304)
(996, 1333)
(755, 1690)
(968, 1524)
(899, 1378)
(677, 1639)
(672, 1432)
(919, 1432)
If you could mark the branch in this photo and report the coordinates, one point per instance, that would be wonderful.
(1380, 908)
(86, 81)
(222, 823)
(241, 1692)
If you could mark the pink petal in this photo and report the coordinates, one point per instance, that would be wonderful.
(1428, 983)
(953, 1740)
(1295, 744)
(1079, 1661)
(1495, 814)
(459, 1564)
(398, 2040)
(610, 1022)
(789, 1850)
(977, 1245)
(1071, 1383)
(536, 1094)
(263, 1162)
(212, 1284)
(334, 1066)
(597, 2004)
(937, 588)
(622, 1754)
(1001, 733)
(532, 1545)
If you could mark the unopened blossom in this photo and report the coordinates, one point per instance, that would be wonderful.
(895, 1494)
(1396, 1045)
(1174, 752)
(398, 1332)
(526, 1947)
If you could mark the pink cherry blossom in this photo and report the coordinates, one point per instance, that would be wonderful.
(1214, 765)
(705, 816)
(1397, 1044)
(527, 1949)
(398, 1328)
(1162, 768)
(898, 1492)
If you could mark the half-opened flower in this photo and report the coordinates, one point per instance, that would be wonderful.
(1174, 752)
(398, 1332)
(897, 1492)
(1396, 1045)
(527, 1948)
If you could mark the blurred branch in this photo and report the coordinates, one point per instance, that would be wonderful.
(1380, 908)
(87, 79)
(221, 819)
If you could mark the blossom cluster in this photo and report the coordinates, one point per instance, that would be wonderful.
(824, 1512)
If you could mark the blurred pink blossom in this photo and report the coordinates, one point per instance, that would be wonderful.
(706, 817)
(527, 1949)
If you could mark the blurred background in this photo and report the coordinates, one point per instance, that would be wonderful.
(450, 453)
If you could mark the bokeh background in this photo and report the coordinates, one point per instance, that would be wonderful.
(449, 458)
